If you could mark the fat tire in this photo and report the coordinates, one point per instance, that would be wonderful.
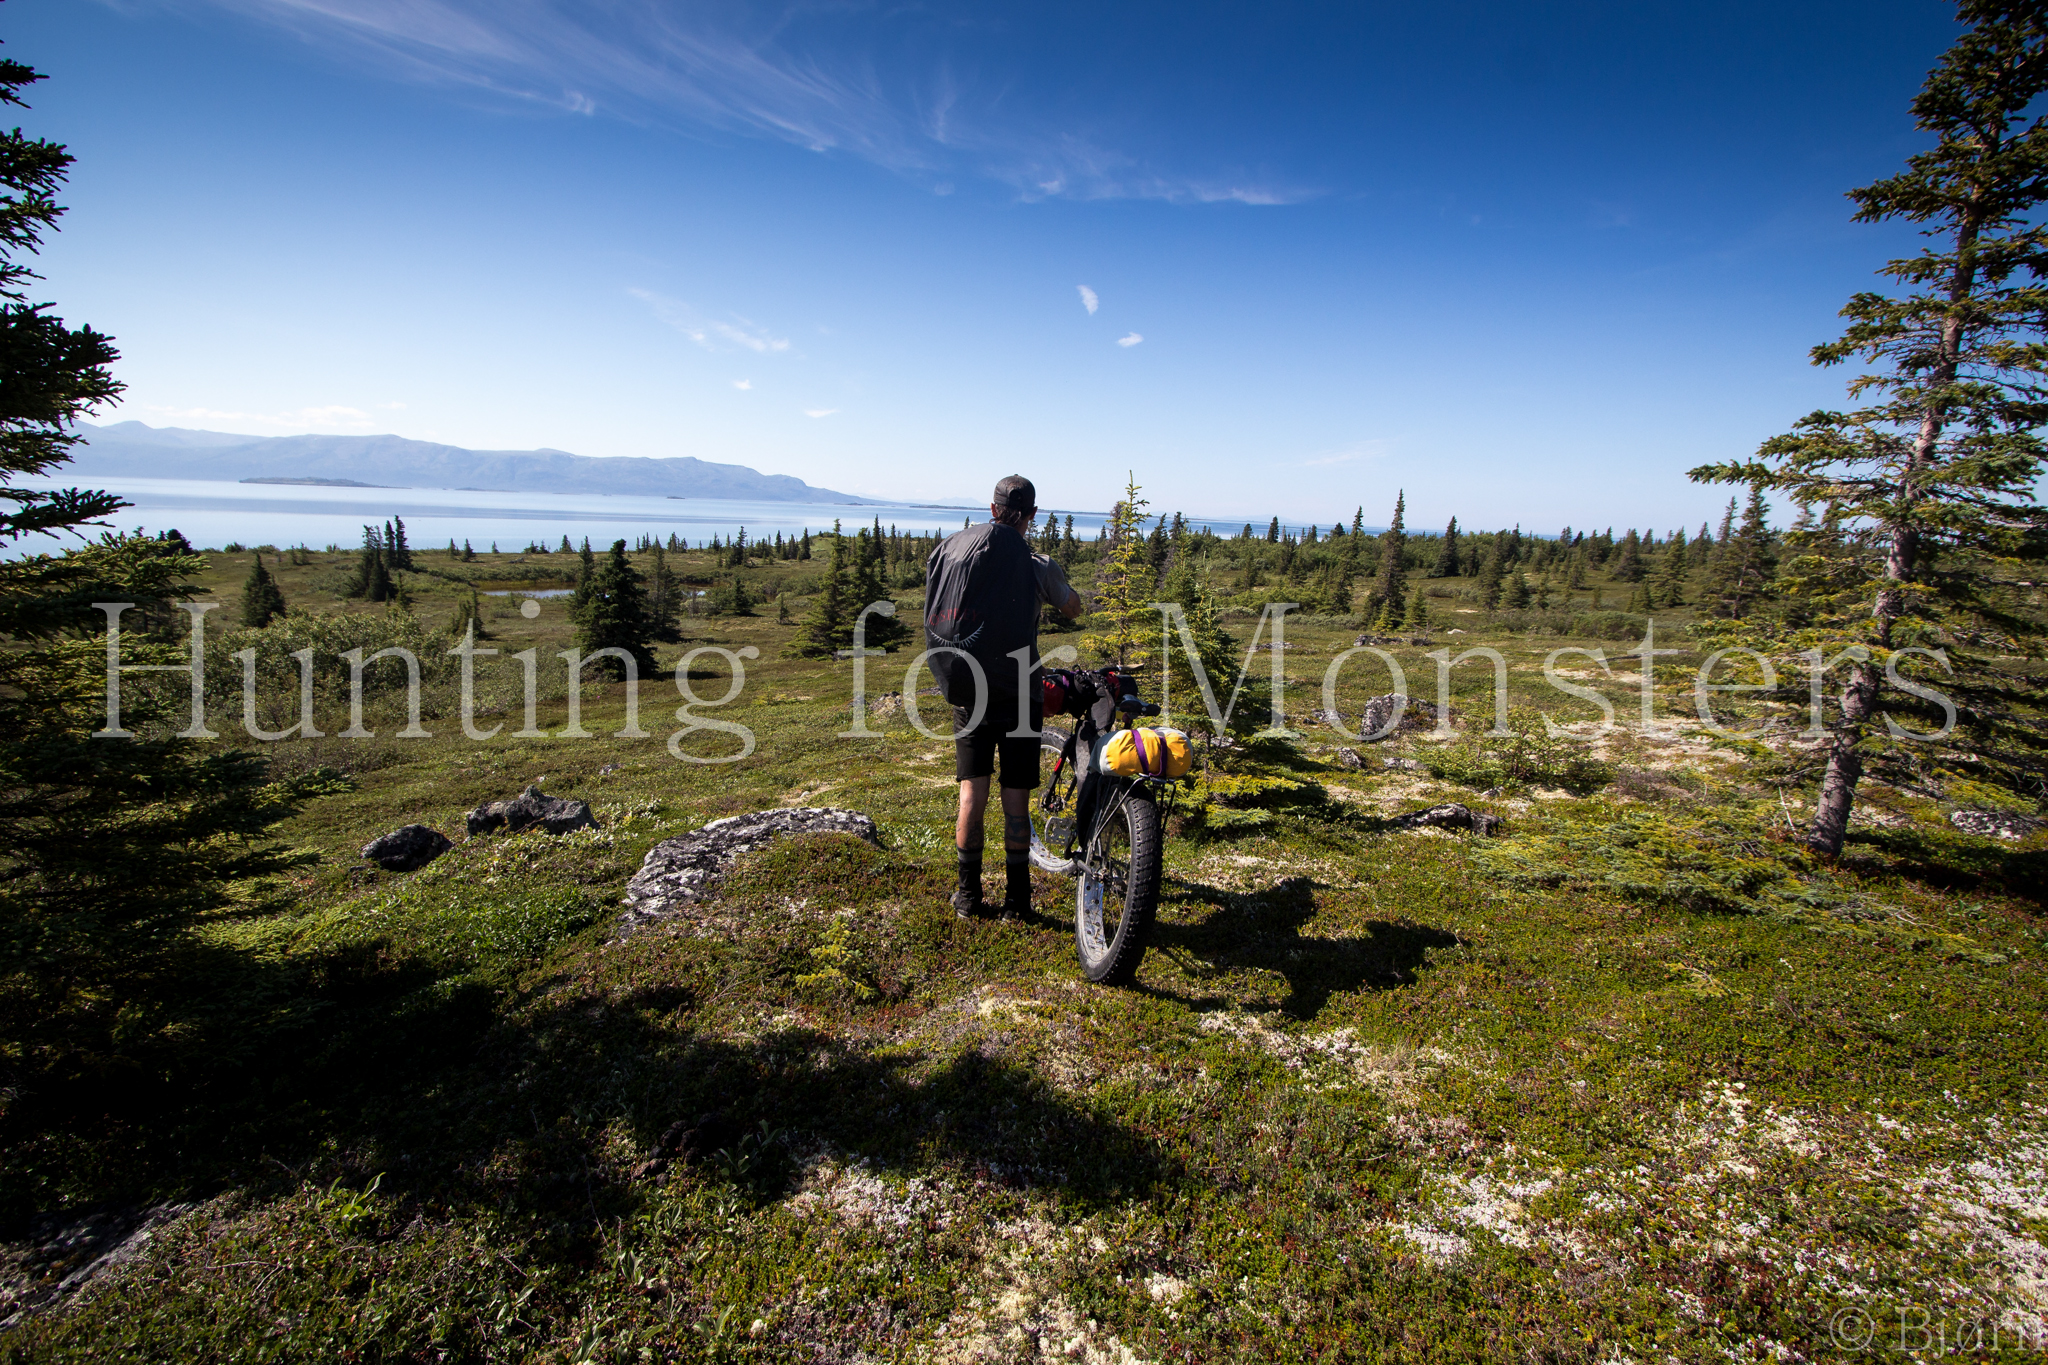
(1112, 959)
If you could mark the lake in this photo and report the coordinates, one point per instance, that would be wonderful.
(215, 513)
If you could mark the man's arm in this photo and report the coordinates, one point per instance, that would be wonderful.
(1054, 588)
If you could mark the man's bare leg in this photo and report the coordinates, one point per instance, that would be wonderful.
(967, 836)
(1016, 851)
(967, 842)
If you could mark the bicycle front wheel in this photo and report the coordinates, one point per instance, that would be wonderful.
(1119, 886)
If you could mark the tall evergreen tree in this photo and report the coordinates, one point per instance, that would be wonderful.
(397, 553)
(1628, 563)
(1933, 484)
(1390, 586)
(828, 625)
(614, 614)
(1446, 565)
(664, 600)
(586, 582)
(866, 584)
(1671, 574)
(469, 617)
(115, 844)
(1743, 563)
(1123, 615)
(261, 600)
(1491, 572)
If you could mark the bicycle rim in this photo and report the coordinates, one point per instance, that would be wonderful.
(1119, 887)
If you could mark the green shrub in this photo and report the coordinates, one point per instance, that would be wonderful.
(1713, 859)
(1527, 755)
(1606, 625)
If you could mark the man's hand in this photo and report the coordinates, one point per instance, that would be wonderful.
(1072, 607)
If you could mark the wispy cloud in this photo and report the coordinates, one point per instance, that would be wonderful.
(1088, 299)
(1363, 450)
(819, 412)
(332, 417)
(743, 384)
(711, 333)
(778, 71)
(1130, 340)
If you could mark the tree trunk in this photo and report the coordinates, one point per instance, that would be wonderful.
(1859, 694)
(1845, 762)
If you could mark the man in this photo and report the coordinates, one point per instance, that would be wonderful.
(983, 592)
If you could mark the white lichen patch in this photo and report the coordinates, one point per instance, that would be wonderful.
(853, 1192)
(1015, 1315)
(1335, 1059)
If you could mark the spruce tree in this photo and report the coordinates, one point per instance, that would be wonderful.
(867, 585)
(1390, 587)
(664, 600)
(378, 585)
(1446, 565)
(469, 616)
(1628, 564)
(261, 600)
(1670, 588)
(1273, 532)
(828, 626)
(586, 582)
(398, 552)
(115, 844)
(614, 614)
(1490, 575)
(1123, 615)
(1932, 486)
(1418, 611)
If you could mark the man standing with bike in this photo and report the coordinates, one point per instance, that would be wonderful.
(983, 591)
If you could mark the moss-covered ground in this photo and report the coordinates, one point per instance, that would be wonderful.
(1636, 1080)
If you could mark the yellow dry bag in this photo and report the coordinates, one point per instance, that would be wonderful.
(1145, 751)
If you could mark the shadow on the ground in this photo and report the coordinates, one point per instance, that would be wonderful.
(1212, 933)
(465, 1095)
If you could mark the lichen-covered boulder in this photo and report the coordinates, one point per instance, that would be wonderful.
(680, 871)
(1449, 816)
(1994, 824)
(555, 814)
(403, 850)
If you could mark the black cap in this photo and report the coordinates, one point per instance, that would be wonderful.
(1016, 494)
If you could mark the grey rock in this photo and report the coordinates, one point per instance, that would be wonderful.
(1450, 816)
(1321, 717)
(681, 871)
(555, 814)
(59, 1258)
(1351, 759)
(1380, 712)
(403, 850)
(1994, 824)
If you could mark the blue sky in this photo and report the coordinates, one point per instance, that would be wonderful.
(1528, 262)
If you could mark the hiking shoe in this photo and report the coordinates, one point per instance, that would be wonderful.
(967, 907)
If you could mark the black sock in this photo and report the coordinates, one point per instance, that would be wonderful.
(970, 871)
(1017, 876)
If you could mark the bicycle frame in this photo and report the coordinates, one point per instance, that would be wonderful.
(1097, 796)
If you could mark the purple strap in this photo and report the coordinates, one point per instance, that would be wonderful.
(1138, 739)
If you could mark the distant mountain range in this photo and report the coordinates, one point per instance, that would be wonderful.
(136, 450)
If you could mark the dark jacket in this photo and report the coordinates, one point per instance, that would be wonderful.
(981, 601)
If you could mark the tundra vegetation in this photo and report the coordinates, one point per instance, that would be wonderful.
(1651, 1074)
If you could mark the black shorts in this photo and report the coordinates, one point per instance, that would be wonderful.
(974, 753)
